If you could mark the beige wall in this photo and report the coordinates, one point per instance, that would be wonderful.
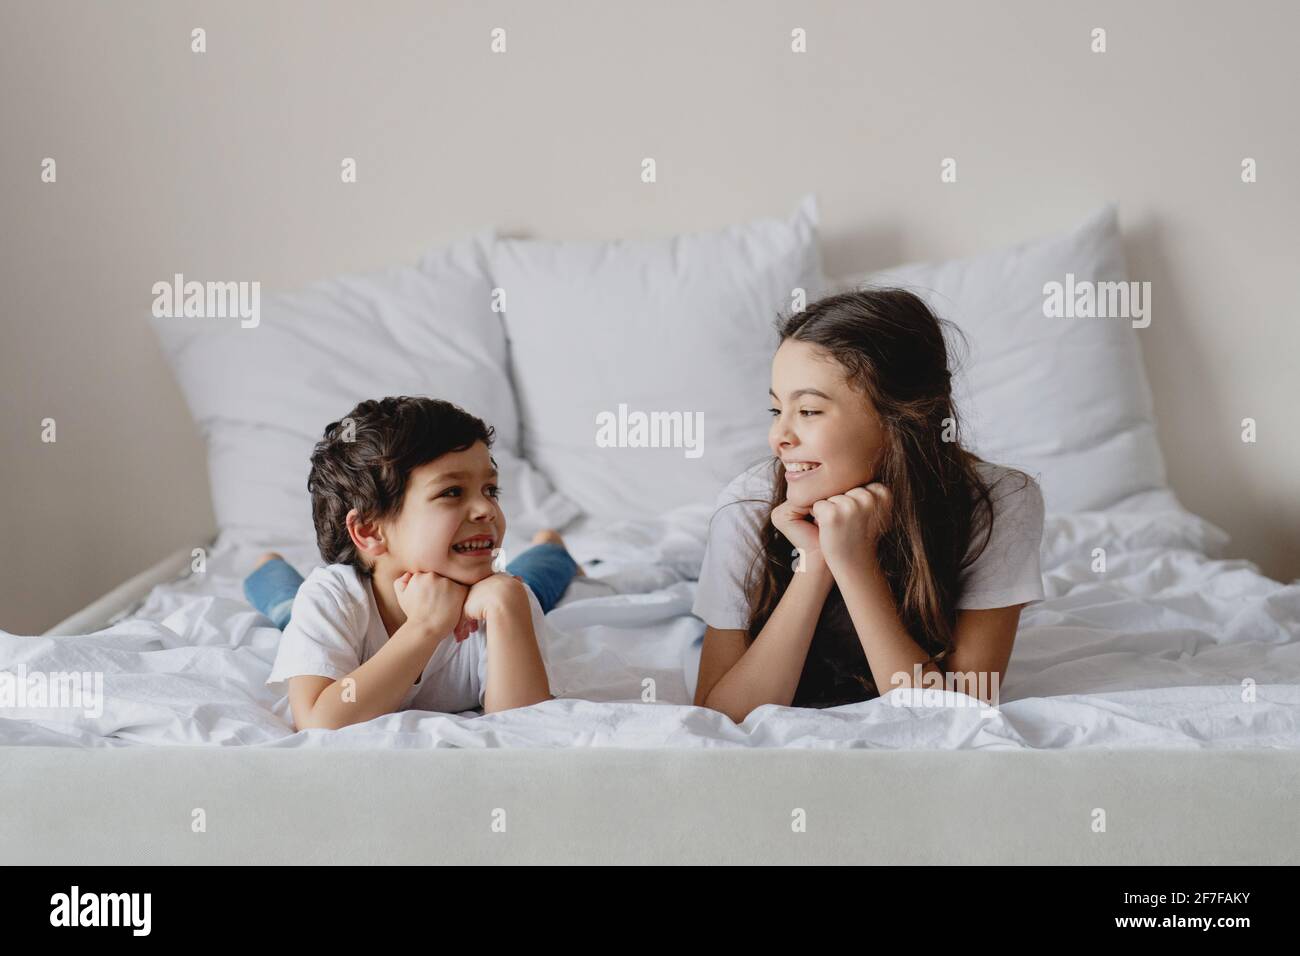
(226, 165)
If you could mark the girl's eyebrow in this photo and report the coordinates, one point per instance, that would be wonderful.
(801, 391)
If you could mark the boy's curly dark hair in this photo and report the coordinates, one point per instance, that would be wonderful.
(365, 460)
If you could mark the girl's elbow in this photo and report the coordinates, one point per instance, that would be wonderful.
(734, 714)
(314, 721)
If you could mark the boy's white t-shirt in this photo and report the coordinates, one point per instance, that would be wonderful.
(335, 627)
(1006, 573)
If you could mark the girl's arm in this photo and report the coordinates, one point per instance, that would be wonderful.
(981, 643)
(850, 525)
(891, 653)
(735, 680)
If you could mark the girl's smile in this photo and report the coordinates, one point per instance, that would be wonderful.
(795, 470)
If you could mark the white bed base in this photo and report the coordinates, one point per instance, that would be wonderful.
(271, 805)
(276, 806)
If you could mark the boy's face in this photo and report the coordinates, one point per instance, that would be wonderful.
(450, 520)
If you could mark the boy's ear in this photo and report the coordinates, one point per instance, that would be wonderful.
(367, 537)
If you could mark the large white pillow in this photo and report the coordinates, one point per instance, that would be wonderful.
(263, 395)
(1065, 398)
(682, 324)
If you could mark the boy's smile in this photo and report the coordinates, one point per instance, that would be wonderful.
(475, 547)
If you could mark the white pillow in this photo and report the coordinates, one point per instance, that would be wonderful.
(683, 324)
(1064, 398)
(263, 395)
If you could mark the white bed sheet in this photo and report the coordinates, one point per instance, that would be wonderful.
(1155, 653)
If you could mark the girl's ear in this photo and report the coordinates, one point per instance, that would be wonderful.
(367, 537)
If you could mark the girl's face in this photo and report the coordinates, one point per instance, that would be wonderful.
(827, 434)
(450, 520)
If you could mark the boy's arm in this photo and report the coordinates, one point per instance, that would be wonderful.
(516, 673)
(433, 605)
(371, 690)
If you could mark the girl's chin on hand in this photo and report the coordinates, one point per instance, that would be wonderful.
(801, 499)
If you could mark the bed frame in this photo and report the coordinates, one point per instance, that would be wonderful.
(272, 806)
(124, 598)
(136, 805)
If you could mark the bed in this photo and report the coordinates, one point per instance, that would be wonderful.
(1150, 713)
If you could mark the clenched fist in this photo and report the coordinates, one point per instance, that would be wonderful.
(434, 601)
(496, 594)
(792, 520)
(849, 525)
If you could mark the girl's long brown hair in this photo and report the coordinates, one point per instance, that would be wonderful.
(892, 349)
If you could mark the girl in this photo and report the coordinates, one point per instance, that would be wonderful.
(873, 547)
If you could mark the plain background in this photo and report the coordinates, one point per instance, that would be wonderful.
(225, 165)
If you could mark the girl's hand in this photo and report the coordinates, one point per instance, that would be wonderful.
(793, 521)
(849, 525)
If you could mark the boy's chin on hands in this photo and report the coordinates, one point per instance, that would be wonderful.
(467, 577)
(466, 570)
(468, 567)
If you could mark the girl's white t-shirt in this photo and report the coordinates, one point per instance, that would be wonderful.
(1006, 573)
(335, 627)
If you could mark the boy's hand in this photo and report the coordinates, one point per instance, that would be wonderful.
(433, 601)
(496, 594)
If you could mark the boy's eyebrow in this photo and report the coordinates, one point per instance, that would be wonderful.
(492, 473)
(801, 391)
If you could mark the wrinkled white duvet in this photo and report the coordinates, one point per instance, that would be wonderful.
(1169, 648)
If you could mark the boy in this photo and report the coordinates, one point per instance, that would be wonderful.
(407, 612)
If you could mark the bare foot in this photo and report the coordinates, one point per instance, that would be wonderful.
(269, 556)
(551, 536)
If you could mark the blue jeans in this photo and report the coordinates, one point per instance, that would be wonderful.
(547, 568)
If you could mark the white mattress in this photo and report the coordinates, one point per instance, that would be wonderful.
(1155, 653)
